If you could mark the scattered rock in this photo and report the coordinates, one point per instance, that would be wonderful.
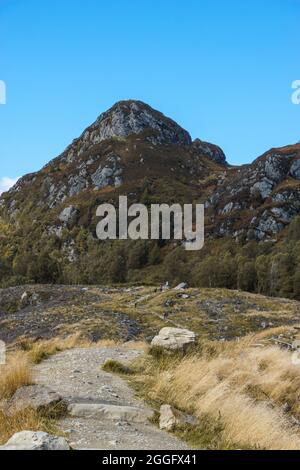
(174, 338)
(35, 440)
(171, 417)
(37, 397)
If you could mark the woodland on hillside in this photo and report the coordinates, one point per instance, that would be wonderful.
(267, 267)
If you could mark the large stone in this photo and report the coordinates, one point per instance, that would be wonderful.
(35, 440)
(174, 338)
(171, 417)
(105, 411)
(181, 286)
(37, 397)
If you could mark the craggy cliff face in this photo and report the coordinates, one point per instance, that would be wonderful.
(258, 200)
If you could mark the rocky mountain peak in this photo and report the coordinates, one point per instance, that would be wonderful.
(210, 150)
(135, 117)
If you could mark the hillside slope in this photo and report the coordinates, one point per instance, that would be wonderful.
(48, 219)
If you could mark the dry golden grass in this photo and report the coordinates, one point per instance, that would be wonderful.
(17, 372)
(41, 350)
(24, 420)
(239, 384)
(14, 374)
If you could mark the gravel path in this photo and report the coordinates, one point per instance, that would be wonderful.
(107, 413)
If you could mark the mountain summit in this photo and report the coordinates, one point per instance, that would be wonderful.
(135, 117)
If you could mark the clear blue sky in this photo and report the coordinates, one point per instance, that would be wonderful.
(222, 69)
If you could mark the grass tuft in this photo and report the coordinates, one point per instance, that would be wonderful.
(15, 374)
(116, 367)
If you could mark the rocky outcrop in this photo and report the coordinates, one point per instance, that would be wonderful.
(35, 440)
(210, 150)
(36, 397)
(105, 411)
(174, 339)
(135, 117)
(69, 215)
(265, 194)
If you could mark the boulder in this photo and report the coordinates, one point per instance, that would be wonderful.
(171, 417)
(35, 440)
(181, 286)
(174, 339)
(24, 300)
(37, 397)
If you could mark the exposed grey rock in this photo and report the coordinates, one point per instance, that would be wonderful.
(37, 397)
(231, 206)
(110, 412)
(170, 417)
(69, 215)
(275, 167)
(56, 230)
(134, 117)
(76, 184)
(295, 169)
(212, 151)
(35, 440)
(268, 225)
(283, 214)
(108, 174)
(24, 300)
(181, 286)
(174, 338)
(264, 186)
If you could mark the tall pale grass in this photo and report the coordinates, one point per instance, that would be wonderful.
(21, 420)
(244, 387)
(14, 374)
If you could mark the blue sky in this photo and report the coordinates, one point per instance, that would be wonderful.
(222, 69)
